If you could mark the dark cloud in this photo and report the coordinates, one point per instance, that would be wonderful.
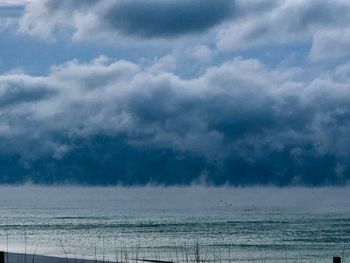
(16, 95)
(109, 161)
(143, 18)
(156, 18)
(109, 122)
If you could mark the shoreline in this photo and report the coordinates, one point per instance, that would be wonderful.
(10, 257)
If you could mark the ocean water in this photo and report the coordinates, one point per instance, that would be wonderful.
(223, 224)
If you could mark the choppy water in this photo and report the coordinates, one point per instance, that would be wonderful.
(264, 224)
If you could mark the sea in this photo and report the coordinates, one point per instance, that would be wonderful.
(177, 224)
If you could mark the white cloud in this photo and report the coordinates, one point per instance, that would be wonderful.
(330, 44)
(243, 25)
(235, 104)
(202, 53)
(14, 2)
(284, 22)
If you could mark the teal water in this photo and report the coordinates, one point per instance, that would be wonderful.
(263, 224)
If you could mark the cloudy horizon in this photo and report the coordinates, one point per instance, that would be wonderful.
(175, 92)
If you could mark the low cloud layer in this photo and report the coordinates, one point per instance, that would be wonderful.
(108, 122)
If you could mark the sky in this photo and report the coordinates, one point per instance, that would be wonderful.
(175, 92)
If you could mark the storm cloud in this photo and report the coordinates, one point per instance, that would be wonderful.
(113, 121)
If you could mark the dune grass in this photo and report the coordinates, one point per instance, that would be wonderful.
(193, 252)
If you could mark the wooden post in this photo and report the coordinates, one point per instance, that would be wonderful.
(336, 259)
(2, 257)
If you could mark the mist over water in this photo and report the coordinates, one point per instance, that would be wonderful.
(249, 223)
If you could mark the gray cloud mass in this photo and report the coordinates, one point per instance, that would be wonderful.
(157, 18)
(109, 122)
